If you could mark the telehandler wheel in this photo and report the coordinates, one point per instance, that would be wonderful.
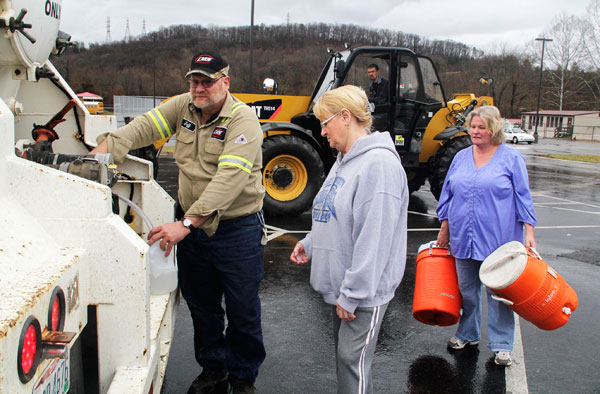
(292, 175)
(439, 164)
(416, 178)
(149, 153)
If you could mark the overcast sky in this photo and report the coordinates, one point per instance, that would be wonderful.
(485, 24)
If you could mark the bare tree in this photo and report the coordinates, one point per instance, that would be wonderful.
(562, 55)
(512, 77)
(591, 43)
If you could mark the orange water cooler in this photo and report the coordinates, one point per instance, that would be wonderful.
(528, 285)
(437, 300)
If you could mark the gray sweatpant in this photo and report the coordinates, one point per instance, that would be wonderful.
(355, 345)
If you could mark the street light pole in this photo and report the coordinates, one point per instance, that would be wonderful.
(537, 112)
(251, 47)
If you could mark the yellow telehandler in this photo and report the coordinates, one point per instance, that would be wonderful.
(427, 130)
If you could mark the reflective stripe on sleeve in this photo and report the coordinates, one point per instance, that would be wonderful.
(236, 161)
(236, 106)
(161, 124)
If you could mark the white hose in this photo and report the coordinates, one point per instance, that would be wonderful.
(137, 209)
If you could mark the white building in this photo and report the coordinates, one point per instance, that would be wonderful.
(576, 125)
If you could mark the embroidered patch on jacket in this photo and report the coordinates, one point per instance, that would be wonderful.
(188, 125)
(241, 139)
(219, 133)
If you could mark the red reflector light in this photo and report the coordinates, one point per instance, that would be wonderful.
(55, 318)
(56, 310)
(30, 349)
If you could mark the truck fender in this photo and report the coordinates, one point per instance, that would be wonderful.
(294, 129)
(450, 132)
(268, 126)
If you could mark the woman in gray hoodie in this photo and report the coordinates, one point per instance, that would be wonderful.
(357, 244)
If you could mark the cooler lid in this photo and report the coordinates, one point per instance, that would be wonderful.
(504, 266)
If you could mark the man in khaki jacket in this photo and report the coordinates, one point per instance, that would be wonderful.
(218, 152)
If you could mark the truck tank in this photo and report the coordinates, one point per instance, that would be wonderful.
(76, 313)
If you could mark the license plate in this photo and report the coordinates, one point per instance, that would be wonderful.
(55, 379)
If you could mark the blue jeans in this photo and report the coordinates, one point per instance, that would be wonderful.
(501, 319)
(229, 264)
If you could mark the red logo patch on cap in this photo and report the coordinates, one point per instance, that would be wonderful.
(204, 59)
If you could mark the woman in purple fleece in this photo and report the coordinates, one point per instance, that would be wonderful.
(485, 203)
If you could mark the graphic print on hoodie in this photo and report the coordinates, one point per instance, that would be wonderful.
(323, 205)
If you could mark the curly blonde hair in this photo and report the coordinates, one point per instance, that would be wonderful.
(353, 98)
(494, 123)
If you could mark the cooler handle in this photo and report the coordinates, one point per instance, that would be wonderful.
(534, 253)
(503, 300)
(434, 243)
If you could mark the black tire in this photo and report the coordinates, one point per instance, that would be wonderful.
(416, 178)
(439, 164)
(148, 153)
(292, 175)
(515, 140)
(529, 142)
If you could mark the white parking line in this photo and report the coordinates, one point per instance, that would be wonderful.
(564, 200)
(574, 210)
(516, 375)
(430, 215)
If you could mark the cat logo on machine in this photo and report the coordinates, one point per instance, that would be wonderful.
(266, 109)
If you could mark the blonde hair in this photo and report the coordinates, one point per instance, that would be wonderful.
(350, 97)
(494, 123)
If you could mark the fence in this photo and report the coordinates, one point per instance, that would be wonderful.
(132, 106)
(564, 132)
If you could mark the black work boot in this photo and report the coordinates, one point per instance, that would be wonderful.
(243, 388)
(209, 383)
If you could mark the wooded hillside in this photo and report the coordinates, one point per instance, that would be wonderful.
(294, 55)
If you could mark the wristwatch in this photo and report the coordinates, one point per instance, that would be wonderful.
(187, 223)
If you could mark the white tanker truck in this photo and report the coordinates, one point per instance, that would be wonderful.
(76, 310)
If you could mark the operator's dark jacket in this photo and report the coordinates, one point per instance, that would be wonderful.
(379, 91)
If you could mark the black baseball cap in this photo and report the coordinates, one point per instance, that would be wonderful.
(209, 63)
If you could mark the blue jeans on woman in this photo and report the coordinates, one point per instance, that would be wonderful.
(501, 319)
(229, 264)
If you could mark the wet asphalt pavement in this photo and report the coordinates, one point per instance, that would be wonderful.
(411, 357)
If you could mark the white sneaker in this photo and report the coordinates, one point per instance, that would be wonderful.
(503, 359)
(456, 344)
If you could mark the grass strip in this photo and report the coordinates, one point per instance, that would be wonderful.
(585, 158)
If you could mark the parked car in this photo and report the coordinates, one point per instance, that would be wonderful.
(516, 135)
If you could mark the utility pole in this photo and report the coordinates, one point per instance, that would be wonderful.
(251, 47)
(127, 32)
(537, 112)
(108, 37)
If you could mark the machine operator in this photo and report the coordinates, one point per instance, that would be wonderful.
(379, 87)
